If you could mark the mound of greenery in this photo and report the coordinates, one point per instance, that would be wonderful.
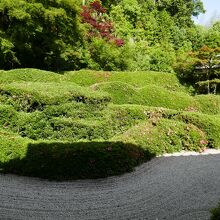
(215, 213)
(90, 124)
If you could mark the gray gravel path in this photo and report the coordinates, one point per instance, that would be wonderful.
(180, 188)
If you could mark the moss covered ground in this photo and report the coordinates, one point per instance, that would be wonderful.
(89, 124)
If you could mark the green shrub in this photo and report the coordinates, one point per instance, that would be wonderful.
(12, 146)
(32, 125)
(121, 93)
(7, 115)
(136, 79)
(209, 104)
(84, 123)
(35, 96)
(29, 75)
(151, 95)
(160, 136)
(75, 110)
(160, 97)
(209, 123)
(70, 129)
(151, 111)
(106, 56)
(215, 213)
(162, 59)
(57, 160)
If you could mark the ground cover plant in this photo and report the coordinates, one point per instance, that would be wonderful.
(215, 213)
(90, 124)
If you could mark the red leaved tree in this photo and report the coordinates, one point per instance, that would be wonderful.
(94, 14)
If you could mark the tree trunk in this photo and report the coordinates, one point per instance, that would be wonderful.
(208, 86)
(215, 88)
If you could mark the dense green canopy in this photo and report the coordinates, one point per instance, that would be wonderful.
(39, 33)
(54, 35)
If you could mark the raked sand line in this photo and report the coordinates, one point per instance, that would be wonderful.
(192, 153)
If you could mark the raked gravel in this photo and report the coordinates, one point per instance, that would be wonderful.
(177, 187)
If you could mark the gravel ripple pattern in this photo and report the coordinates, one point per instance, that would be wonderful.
(179, 188)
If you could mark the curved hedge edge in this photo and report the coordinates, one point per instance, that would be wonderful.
(79, 160)
(215, 213)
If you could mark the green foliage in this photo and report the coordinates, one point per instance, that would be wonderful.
(162, 59)
(106, 56)
(28, 75)
(7, 56)
(8, 114)
(159, 136)
(63, 160)
(121, 93)
(33, 96)
(197, 36)
(52, 35)
(208, 103)
(213, 36)
(215, 213)
(89, 124)
(136, 79)
(39, 34)
(208, 123)
(181, 10)
(202, 67)
(12, 146)
(138, 56)
(159, 97)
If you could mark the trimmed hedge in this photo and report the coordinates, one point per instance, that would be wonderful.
(52, 126)
(32, 96)
(137, 79)
(215, 213)
(160, 136)
(210, 124)
(29, 75)
(57, 160)
(12, 146)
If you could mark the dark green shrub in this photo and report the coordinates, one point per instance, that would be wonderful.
(42, 34)
(106, 56)
(70, 129)
(33, 125)
(77, 160)
(74, 110)
(148, 109)
(12, 146)
(215, 213)
(7, 115)
(162, 59)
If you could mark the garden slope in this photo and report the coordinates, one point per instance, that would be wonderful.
(89, 124)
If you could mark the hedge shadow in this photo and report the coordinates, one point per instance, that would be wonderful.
(79, 160)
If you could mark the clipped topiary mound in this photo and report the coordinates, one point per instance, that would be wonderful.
(57, 160)
(90, 124)
(215, 213)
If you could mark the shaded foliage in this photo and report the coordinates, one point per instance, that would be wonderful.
(77, 160)
(200, 67)
(42, 34)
